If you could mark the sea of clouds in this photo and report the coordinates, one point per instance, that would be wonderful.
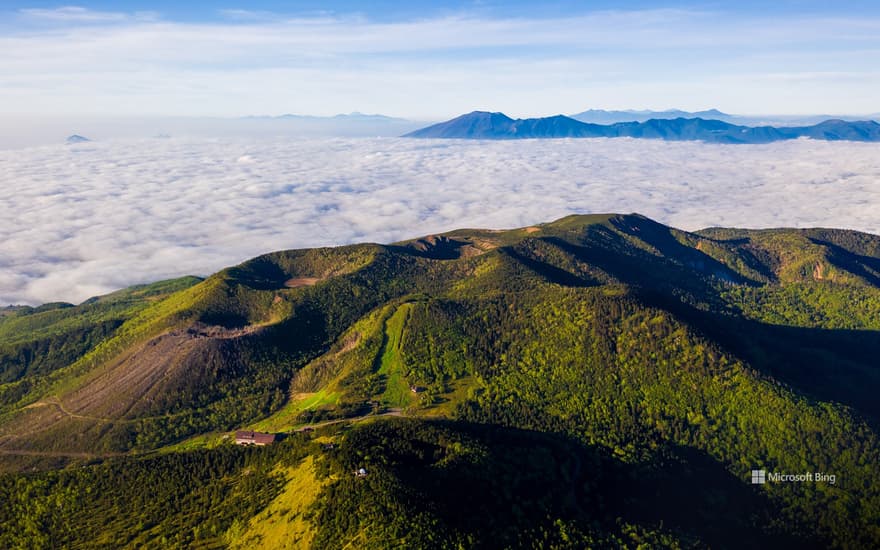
(82, 220)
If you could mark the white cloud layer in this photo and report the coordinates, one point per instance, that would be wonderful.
(82, 220)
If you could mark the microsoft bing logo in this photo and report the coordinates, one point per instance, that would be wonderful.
(759, 477)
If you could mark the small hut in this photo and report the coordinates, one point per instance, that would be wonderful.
(253, 438)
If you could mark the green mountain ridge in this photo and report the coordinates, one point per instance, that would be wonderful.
(667, 364)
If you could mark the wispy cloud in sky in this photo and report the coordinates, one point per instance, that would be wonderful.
(72, 13)
(76, 60)
(77, 14)
(90, 218)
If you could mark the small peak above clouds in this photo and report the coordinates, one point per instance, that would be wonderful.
(76, 138)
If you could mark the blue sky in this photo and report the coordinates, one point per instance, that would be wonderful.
(432, 60)
(200, 10)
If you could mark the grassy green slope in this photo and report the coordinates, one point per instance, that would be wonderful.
(397, 392)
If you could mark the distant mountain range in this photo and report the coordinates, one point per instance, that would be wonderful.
(342, 125)
(486, 125)
(350, 117)
(600, 116)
